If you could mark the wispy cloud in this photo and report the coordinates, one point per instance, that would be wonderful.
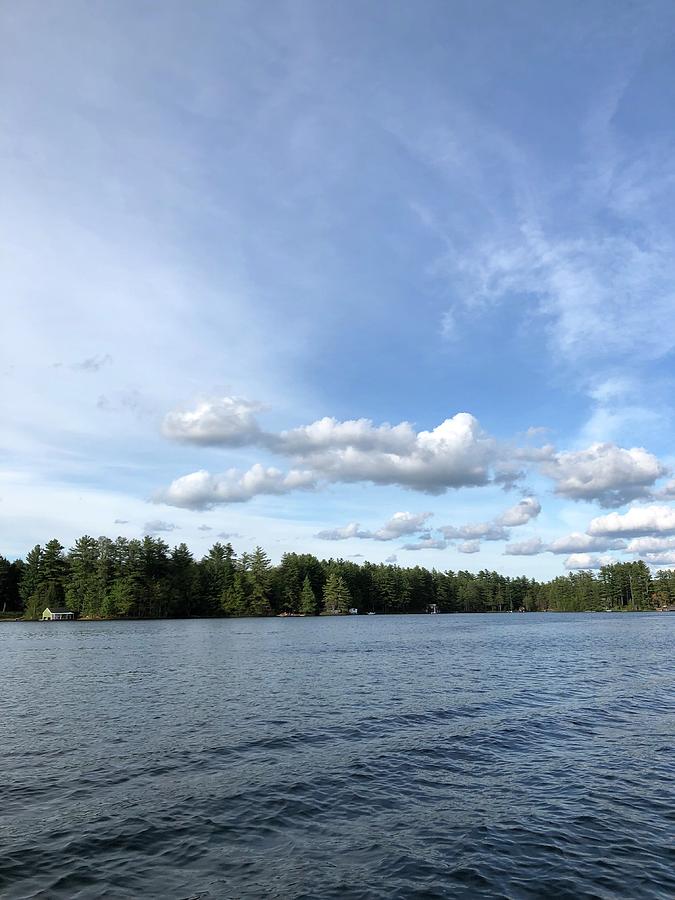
(93, 363)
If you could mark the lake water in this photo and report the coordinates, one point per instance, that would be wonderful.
(512, 756)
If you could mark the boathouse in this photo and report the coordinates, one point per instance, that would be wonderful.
(55, 615)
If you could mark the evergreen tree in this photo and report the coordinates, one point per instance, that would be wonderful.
(259, 579)
(54, 567)
(83, 590)
(217, 572)
(30, 583)
(234, 600)
(182, 576)
(336, 597)
(10, 576)
(308, 604)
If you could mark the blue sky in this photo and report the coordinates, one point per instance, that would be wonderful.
(441, 231)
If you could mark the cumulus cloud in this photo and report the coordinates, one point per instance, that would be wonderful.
(605, 473)
(157, 525)
(426, 544)
(121, 522)
(664, 558)
(400, 525)
(457, 453)
(392, 560)
(530, 547)
(486, 531)
(218, 421)
(469, 547)
(358, 434)
(508, 473)
(520, 514)
(582, 543)
(202, 490)
(340, 534)
(637, 522)
(496, 530)
(667, 492)
(587, 561)
(204, 528)
(650, 545)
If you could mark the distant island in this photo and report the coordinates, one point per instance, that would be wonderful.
(121, 578)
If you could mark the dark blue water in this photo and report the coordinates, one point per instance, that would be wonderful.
(515, 756)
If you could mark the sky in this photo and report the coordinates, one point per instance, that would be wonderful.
(386, 281)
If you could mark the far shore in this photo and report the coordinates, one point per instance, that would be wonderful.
(10, 618)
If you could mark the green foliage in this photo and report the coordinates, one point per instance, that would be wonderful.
(100, 577)
(10, 578)
(308, 604)
(336, 597)
(234, 599)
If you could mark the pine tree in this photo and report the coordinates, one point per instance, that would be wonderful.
(217, 569)
(30, 583)
(83, 595)
(259, 578)
(336, 597)
(308, 604)
(233, 601)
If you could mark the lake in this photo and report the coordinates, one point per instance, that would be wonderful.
(458, 756)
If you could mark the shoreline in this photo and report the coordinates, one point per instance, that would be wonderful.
(506, 612)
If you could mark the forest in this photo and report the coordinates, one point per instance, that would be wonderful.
(104, 578)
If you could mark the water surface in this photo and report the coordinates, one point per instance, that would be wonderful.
(500, 756)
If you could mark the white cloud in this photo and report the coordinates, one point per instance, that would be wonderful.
(589, 287)
(587, 561)
(358, 434)
(400, 524)
(530, 547)
(218, 421)
(469, 547)
(426, 544)
(201, 490)
(605, 473)
(157, 525)
(520, 514)
(580, 543)
(666, 492)
(642, 545)
(638, 521)
(486, 531)
(496, 530)
(457, 453)
(664, 558)
(340, 534)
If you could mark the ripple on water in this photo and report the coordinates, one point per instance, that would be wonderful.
(457, 757)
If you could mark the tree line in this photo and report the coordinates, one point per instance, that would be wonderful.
(104, 578)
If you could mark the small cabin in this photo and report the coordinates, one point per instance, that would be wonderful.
(56, 615)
